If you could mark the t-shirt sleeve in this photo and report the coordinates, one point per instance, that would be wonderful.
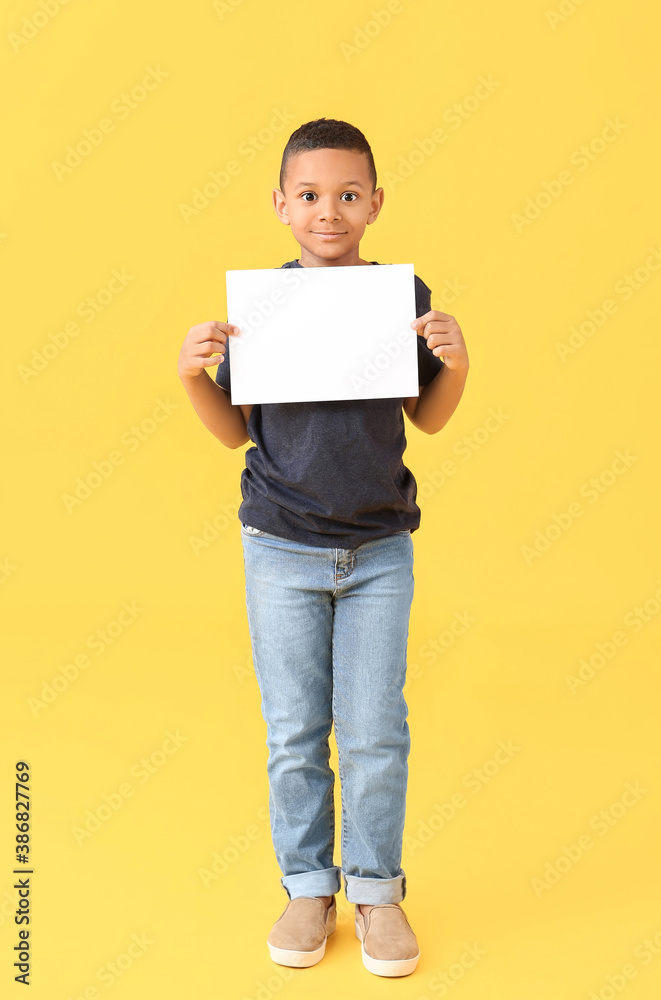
(428, 363)
(223, 371)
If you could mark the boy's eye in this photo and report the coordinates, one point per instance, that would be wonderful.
(306, 193)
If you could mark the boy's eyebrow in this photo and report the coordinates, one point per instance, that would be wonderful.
(313, 184)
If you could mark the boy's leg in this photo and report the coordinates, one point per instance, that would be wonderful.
(370, 633)
(290, 621)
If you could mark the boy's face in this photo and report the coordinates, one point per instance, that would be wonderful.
(328, 191)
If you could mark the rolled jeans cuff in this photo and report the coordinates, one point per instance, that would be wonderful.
(318, 883)
(372, 891)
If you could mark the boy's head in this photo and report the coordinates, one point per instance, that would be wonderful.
(328, 185)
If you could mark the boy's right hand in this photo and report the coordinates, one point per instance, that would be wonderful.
(201, 343)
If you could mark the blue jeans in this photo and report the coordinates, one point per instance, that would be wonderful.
(329, 631)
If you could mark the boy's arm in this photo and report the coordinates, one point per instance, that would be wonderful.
(410, 404)
(437, 401)
(215, 409)
(441, 395)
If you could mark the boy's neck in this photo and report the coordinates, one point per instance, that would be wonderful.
(332, 263)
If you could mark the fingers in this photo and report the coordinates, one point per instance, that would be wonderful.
(437, 343)
(434, 315)
(205, 346)
(224, 327)
(202, 361)
(212, 346)
(441, 335)
(213, 330)
(436, 326)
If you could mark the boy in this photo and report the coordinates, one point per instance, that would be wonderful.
(326, 520)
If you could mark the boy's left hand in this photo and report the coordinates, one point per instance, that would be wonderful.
(444, 338)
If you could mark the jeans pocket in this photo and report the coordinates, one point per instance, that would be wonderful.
(252, 531)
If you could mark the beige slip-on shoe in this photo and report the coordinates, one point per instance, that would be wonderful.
(389, 946)
(298, 937)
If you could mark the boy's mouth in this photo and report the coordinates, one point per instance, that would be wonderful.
(328, 235)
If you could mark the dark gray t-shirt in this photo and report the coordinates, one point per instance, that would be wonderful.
(331, 473)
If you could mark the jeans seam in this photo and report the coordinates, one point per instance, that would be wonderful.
(338, 740)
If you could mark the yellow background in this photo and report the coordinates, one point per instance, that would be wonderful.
(183, 662)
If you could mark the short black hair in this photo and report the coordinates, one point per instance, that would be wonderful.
(327, 133)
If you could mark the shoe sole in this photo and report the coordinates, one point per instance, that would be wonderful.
(381, 967)
(299, 959)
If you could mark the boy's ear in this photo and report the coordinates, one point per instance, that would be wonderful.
(280, 206)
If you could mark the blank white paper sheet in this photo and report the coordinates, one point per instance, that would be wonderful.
(322, 333)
